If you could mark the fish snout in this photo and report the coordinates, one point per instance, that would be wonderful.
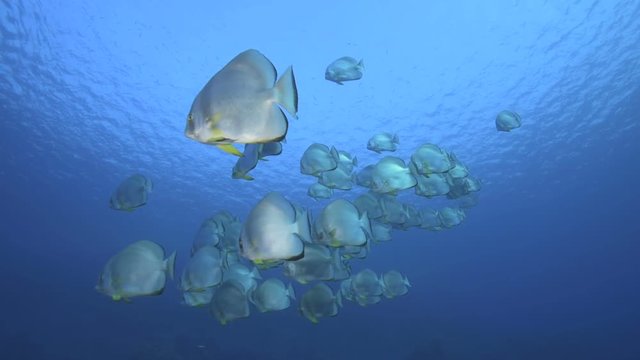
(329, 75)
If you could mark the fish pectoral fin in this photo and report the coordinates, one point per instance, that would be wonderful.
(230, 149)
(214, 119)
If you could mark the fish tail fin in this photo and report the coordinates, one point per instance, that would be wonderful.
(406, 281)
(361, 63)
(252, 298)
(291, 292)
(395, 139)
(303, 224)
(365, 224)
(170, 265)
(287, 92)
(387, 293)
(334, 154)
(413, 169)
(355, 161)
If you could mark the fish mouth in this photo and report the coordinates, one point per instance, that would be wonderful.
(218, 141)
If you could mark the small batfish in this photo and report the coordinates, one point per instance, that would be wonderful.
(344, 69)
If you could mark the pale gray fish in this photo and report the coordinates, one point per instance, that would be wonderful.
(228, 230)
(468, 201)
(394, 284)
(364, 176)
(391, 175)
(229, 302)
(383, 142)
(346, 290)
(430, 219)
(451, 217)
(223, 218)
(319, 301)
(242, 104)
(459, 170)
(457, 188)
(139, 269)
(392, 210)
(433, 185)
(318, 158)
(272, 295)
(230, 240)
(366, 286)
(430, 158)
(381, 232)
(349, 252)
(473, 184)
(319, 191)
(347, 162)
(413, 217)
(132, 193)
(337, 178)
(203, 270)
(341, 268)
(508, 120)
(208, 234)
(345, 68)
(341, 224)
(230, 258)
(462, 187)
(369, 203)
(368, 300)
(243, 275)
(275, 230)
(197, 298)
(316, 264)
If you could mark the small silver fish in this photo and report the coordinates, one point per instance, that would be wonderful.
(344, 69)
(507, 121)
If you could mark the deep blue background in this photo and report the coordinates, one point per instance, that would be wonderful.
(545, 267)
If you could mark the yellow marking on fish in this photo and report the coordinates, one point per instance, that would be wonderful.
(217, 135)
(214, 119)
(230, 149)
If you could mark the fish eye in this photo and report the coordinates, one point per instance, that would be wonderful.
(190, 123)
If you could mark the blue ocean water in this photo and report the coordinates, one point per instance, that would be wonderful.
(544, 267)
